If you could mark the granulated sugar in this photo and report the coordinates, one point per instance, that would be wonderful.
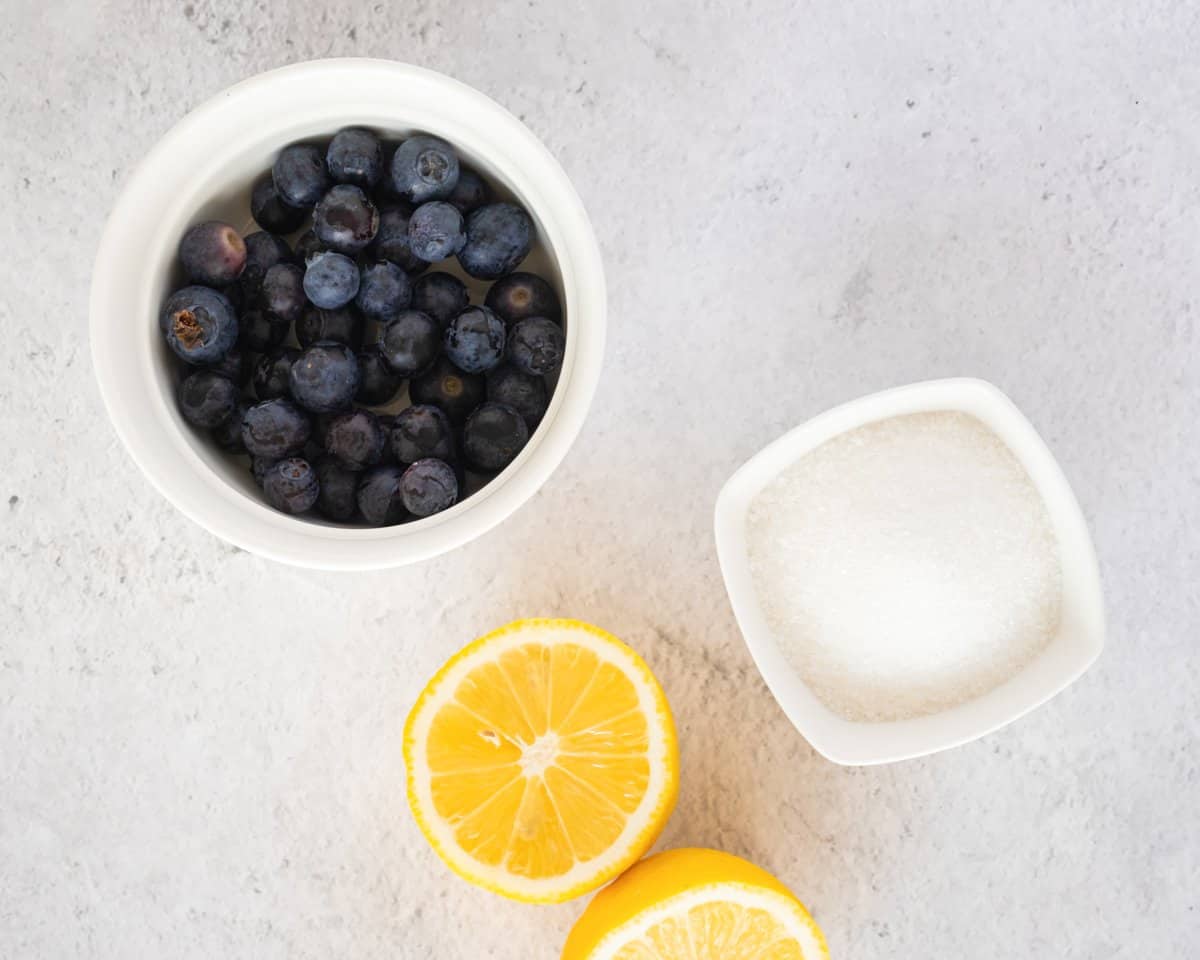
(906, 566)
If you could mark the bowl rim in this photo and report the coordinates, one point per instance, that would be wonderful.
(405, 96)
(1064, 660)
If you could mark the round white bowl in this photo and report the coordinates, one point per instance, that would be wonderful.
(204, 168)
(1071, 651)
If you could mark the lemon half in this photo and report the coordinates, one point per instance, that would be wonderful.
(542, 760)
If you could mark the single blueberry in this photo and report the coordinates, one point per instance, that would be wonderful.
(409, 342)
(337, 499)
(275, 428)
(445, 386)
(436, 231)
(212, 253)
(492, 437)
(269, 210)
(521, 295)
(474, 340)
(535, 345)
(470, 192)
(300, 175)
(271, 373)
(331, 280)
(291, 485)
(282, 291)
(228, 435)
(383, 290)
(207, 399)
(356, 439)
(379, 498)
(441, 295)
(324, 378)
(233, 365)
(307, 247)
(263, 251)
(259, 467)
(424, 168)
(428, 486)
(200, 324)
(391, 242)
(378, 384)
(345, 220)
(260, 330)
(342, 325)
(421, 431)
(499, 237)
(524, 392)
(355, 156)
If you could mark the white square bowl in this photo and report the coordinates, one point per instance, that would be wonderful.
(1077, 644)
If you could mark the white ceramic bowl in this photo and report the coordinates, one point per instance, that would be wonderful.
(204, 168)
(1081, 631)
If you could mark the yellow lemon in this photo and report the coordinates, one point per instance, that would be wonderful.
(542, 760)
(695, 905)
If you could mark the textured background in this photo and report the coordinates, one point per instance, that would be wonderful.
(798, 203)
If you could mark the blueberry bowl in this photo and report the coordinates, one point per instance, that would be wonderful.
(205, 169)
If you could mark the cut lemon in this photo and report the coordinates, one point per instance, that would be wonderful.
(695, 905)
(542, 760)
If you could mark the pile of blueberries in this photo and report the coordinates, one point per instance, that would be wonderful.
(288, 347)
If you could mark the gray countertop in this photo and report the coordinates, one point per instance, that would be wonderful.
(797, 204)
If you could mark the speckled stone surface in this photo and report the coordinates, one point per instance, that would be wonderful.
(798, 204)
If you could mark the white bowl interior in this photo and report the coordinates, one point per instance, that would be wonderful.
(1076, 645)
(204, 168)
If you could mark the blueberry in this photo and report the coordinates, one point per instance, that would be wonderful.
(428, 486)
(271, 373)
(521, 295)
(535, 345)
(343, 325)
(263, 251)
(435, 231)
(383, 290)
(441, 295)
(331, 280)
(260, 330)
(421, 431)
(387, 420)
(233, 365)
(524, 392)
(275, 428)
(324, 378)
(291, 485)
(355, 156)
(391, 242)
(356, 439)
(409, 342)
(445, 386)
(212, 253)
(307, 247)
(207, 399)
(299, 174)
(499, 236)
(470, 191)
(200, 324)
(379, 498)
(282, 291)
(377, 383)
(337, 499)
(494, 434)
(228, 435)
(269, 210)
(259, 467)
(474, 340)
(424, 168)
(345, 220)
